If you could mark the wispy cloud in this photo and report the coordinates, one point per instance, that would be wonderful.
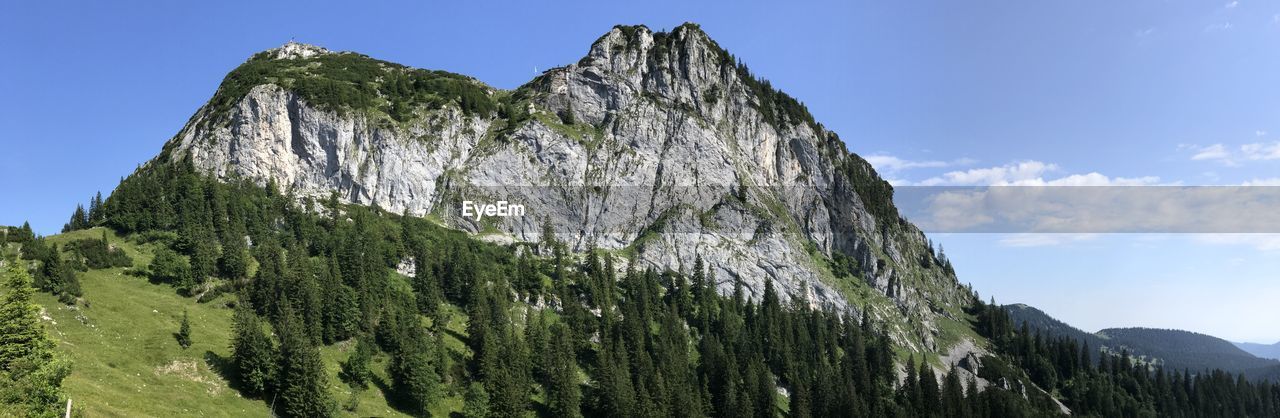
(1030, 173)
(1144, 33)
(1273, 181)
(1261, 151)
(891, 164)
(1255, 151)
(1219, 27)
(1211, 153)
(1232, 4)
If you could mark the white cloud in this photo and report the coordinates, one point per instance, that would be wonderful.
(1212, 152)
(1257, 151)
(1233, 4)
(1273, 181)
(1259, 133)
(1096, 179)
(889, 164)
(1144, 32)
(1030, 173)
(1261, 151)
(1003, 175)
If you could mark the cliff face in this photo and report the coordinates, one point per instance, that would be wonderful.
(654, 144)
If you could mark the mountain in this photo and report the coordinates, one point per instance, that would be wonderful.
(1172, 349)
(1039, 320)
(659, 145)
(1271, 351)
(645, 232)
(1184, 349)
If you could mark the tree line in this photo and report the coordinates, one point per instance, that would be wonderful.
(1117, 385)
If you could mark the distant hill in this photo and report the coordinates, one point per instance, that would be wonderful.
(1037, 319)
(1174, 349)
(1271, 351)
(1186, 350)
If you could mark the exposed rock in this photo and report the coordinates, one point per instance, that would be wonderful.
(652, 141)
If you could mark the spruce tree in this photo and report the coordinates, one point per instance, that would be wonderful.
(31, 373)
(234, 261)
(184, 331)
(95, 209)
(475, 401)
(563, 395)
(953, 395)
(413, 378)
(21, 335)
(302, 385)
(930, 394)
(355, 371)
(252, 353)
(27, 233)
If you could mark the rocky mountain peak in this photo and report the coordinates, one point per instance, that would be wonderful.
(657, 145)
(296, 50)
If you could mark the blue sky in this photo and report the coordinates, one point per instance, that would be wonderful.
(1099, 92)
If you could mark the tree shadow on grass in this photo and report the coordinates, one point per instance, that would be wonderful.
(227, 371)
(392, 401)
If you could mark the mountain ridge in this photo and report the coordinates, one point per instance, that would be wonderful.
(659, 145)
(1171, 348)
(1271, 351)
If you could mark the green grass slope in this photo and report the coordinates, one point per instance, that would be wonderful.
(128, 364)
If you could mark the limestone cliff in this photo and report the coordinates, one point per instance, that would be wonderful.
(659, 145)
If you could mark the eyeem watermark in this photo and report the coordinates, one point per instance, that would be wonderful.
(501, 208)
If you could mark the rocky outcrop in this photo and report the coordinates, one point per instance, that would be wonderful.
(656, 144)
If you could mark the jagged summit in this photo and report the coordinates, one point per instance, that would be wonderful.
(658, 145)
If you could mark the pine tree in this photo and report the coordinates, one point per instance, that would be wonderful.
(234, 261)
(538, 337)
(27, 233)
(252, 353)
(355, 371)
(95, 209)
(563, 395)
(30, 373)
(58, 278)
(184, 332)
(413, 378)
(910, 393)
(204, 262)
(953, 396)
(20, 333)
(930, 394)
(302, 384)
(79, 220)
(475, 401)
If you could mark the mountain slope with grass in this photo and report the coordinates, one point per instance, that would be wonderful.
(696, 245)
